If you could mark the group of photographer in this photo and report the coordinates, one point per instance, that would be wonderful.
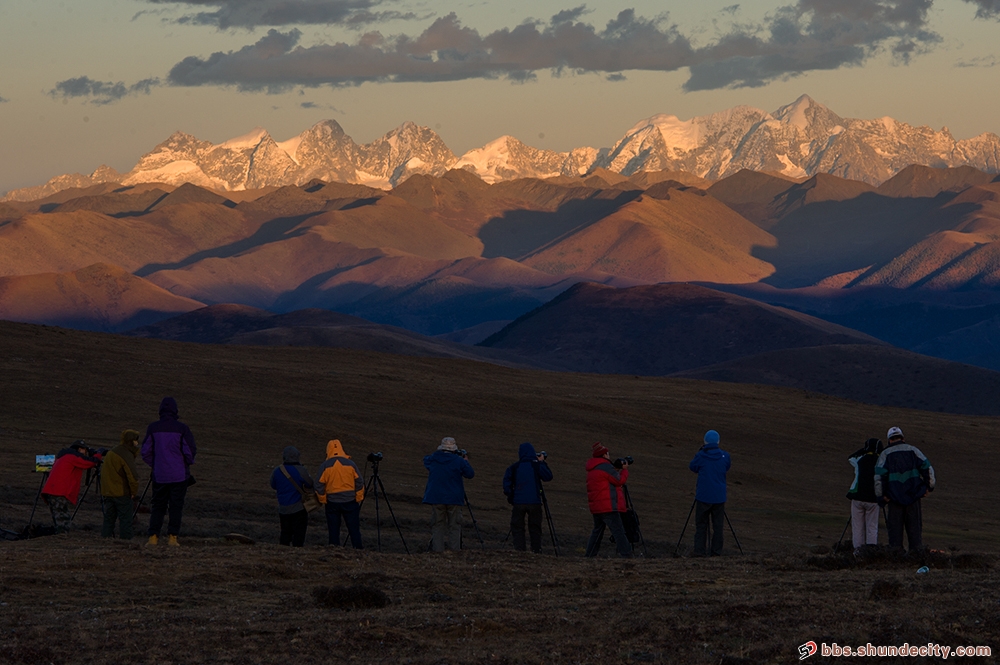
(169, 450)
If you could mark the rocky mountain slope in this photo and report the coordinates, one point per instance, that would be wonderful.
(801, 139)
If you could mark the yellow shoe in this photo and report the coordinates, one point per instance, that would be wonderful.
(172, 541)
(153, 540)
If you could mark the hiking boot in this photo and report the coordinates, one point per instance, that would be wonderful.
(153, 540)
(172, 541)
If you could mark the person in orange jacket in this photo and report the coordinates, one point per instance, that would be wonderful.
(341, 488)
(62, 489)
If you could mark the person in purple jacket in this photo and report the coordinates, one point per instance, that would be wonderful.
(169, 450)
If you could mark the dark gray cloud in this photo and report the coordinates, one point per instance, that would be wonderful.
(101, 92)
(249, 14)
(986, 8)
(3, 100)
(807, 36)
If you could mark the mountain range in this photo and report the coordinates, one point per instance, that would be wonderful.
(798, 140)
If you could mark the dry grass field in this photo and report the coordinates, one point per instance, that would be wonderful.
(78, 599)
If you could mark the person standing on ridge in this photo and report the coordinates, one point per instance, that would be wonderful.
(903, 475)
(62, 487)
(169, 450)
(292, 514)
(120, 486)
(522, 483)
(711, 463)
(445, 493)
(606, 500)
(864, 501)
(341, 488)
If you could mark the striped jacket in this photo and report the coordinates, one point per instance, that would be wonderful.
(903, 474)
(604, 486)
(338, 479)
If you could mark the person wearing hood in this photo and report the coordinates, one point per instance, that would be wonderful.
(292, 514)
(522, 483)
(120, 486)
(864, 501)
(341, 488)
(169, 450)
(62, 487)
(711, 463)
(606, 499)
(445, 493)
(903, 476)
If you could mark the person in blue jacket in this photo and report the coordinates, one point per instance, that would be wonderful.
(445, 493)
(522, 483)
(292, 514)
(711, 464)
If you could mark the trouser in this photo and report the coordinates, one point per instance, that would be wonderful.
(167, 497)
(534, 514)
(117, 508)
(446, 522)
(293, 528)
(703, 514)
(899, 517)
(864, 523)
(62, 512)
(351, 512)
(612, 521)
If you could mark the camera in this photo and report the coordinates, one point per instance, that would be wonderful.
(544, 455)
(375, 458)
(622, 461)
(461, 452)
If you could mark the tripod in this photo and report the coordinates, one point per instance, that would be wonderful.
(45, 476)
(548, 517)
(725, 514)
(375, 485)
(475, 524)
(635, 516)
(836, 548)
(91, 477)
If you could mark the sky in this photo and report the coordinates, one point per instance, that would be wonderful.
(103, 82)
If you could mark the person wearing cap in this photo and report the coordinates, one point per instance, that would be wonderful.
(903, 475)
(341, 488)
(292, 514)
(169, 450)
(606, 500)
(120, 486)
(711, 463)
(445, 493)
(62, 487)
(522, 483)
(864, 501)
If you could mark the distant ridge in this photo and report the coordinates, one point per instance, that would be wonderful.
(798, 140)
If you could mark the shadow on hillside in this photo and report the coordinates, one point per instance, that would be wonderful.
(275, 230)
(518, 233)
(832, 237)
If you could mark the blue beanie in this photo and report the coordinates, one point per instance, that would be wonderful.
(711, 436)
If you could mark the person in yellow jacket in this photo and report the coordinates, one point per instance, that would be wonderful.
(341, 488)
(120, 485)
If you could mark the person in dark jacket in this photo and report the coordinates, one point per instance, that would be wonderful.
(292, 515)
(711, 463)
(903, 475)
(522, 483)
(864, 501)
(169, 449)
(62, 487)
(445, 493)
(606, 500)
(120, 486)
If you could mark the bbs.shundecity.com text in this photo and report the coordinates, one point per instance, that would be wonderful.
(932, 650)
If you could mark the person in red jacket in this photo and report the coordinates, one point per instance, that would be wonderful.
(62, 489)
(607, 500)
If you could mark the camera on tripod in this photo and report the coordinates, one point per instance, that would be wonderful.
(375, 458)
(622, 461)
(461, 452)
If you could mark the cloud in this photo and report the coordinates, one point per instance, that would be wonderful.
(251, 14)
(101, 92)
(987, 8)
(807, 36)
(981, 61)
(3, 100)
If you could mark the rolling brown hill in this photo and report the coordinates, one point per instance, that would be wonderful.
(659, 329)
(923, 181)
(687, 237)
(751, 193)
(867, 373)
(97, 297)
